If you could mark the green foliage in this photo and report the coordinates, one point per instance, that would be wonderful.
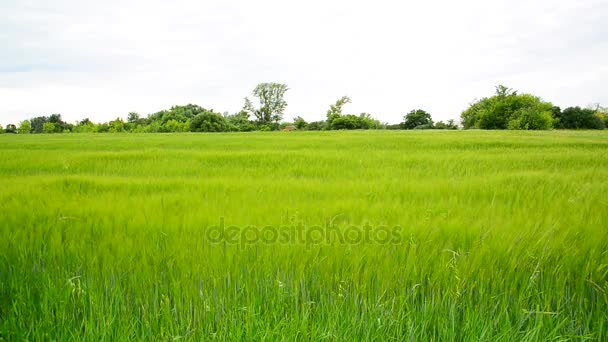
(116, 126)
(176, 126)
(208, 122)
(367, 122)
(508, 109)
(317, 126)
(300, 123)
(25, 127)
(272, 103)
(50, 127)
(529, 118)
(239, 122)
(417, 118)
(450, 124)
(348, 121)
(153, 127)
(2, 130)
(10, 128)
(602, 114)
(580, 118)
(84, 126)
(335, 111)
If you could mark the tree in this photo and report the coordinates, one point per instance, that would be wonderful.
(133, 117)
(116, 126)
(38, 124)
(1, 130)
(272, 103)
(49, 127)
(348, 121)
(529, 118)
(580, 118)
(443, 125)
(508, 109)
(208, 122)
(335, 111)
(10, 128)
(239, 122)
(176, 126)
(300, 123)
(25, 127)
(317, 126)
(367, 122)
(417, 118)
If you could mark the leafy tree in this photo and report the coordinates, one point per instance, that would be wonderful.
(116, 126)
(394, 126)
(1, 130)
(10, 128)
(508, 109)
(239, 122)
(25, 127)
(602, 113)
(176, 126)
(450, 124)
(102, 128)
(417, 118)
(208, 122)
(300, 123)
(367, 122)
(38, 124)
(580, 118)
(133, 117)
(348, 121)
(49, 127)
(317, 126)
(529, 118)
(335, 111)
(272, 102)
(153, 127)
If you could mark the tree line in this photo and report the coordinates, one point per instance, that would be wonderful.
(506, 109)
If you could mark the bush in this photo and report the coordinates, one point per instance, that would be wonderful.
(580, 118)
(49, 127)
(316, 126)
(348, 121)
(25, 127)
(417, 118)
(10, 128)
(531, 119)
(507, 109)
(208, 122)
(449, 125)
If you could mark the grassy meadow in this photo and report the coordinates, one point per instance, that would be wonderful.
(361, 235)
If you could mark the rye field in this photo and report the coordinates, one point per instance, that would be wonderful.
(361, 235)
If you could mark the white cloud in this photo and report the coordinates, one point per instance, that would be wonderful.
(102, 59)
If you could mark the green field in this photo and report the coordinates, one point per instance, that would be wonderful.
(364, 235)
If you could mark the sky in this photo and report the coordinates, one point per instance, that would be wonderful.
(103, 59)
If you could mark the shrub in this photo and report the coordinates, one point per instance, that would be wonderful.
(531, 119)
(208, 122)
(416, 118)
(580, 118)
(25, 127)
(49, 127)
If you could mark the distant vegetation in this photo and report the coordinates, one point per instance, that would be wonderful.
(505, 110)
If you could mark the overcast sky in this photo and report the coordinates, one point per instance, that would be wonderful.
(103, 59)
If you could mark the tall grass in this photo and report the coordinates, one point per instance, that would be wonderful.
(502, 236)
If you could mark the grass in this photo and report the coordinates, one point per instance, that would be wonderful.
(493, 236)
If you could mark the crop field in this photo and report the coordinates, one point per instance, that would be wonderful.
(361, 235)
